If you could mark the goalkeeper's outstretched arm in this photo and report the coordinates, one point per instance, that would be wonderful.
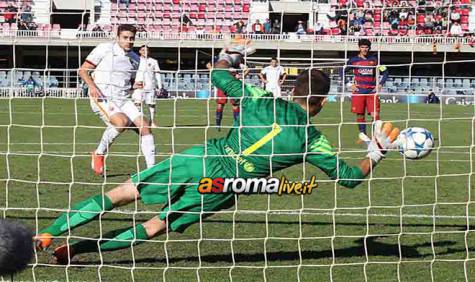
(321, 154)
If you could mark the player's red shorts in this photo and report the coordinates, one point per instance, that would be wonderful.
(365, 103)
(223, 99)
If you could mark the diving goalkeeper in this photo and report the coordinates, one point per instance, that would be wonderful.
(242, 153)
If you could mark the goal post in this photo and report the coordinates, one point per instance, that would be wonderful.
(409, 220)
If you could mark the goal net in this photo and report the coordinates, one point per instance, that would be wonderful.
(409, 220)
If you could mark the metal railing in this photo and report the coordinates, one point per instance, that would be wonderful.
(291, 37)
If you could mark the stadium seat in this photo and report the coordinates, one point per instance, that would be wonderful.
(449, 83)
(424, 82)
(397, 81)
(466, 83)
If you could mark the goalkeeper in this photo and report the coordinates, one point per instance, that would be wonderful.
(242, 153)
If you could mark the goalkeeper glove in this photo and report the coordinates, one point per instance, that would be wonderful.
(234, 53)
(384, 136)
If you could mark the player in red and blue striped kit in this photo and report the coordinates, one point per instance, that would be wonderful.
(365, 85)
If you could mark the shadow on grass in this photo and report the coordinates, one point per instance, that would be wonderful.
(374, 248)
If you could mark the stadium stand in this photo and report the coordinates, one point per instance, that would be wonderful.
(176, 15)
(342, 17)
(397, 18)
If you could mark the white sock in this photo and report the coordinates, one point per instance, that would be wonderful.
(152, 113)
(108, 137)
(148, 149)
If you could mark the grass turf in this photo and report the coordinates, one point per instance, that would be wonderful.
(411, 221)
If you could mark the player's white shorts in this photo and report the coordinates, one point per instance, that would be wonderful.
(107, 108)
(147, 96)
(275, 89)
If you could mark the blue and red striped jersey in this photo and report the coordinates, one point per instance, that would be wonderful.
(365, 70)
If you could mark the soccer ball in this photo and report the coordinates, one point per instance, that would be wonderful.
(415, 142)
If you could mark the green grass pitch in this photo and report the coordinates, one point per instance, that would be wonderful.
(412, 221)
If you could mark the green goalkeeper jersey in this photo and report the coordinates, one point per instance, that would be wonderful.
(273, 134)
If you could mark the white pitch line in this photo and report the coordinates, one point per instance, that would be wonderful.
(295, 212)
(425, 216)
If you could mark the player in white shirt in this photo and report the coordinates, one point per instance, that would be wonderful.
(149, 75)
(273, 77)
(115, 66)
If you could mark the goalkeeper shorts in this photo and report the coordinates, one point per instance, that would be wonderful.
(174, 183)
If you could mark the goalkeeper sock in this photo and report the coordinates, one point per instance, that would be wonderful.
(108, 137)
(361, 124)
(80, 214)
(148, 149)
(111, 241)
(152, 112)
(219, 117)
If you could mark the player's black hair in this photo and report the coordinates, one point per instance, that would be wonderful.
(143, 46)
(311, 85)
(126, 27)
(274, 58)
(364, 41)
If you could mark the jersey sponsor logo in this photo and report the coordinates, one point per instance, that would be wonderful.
(246, 164)
(273, 185)
(365, 71)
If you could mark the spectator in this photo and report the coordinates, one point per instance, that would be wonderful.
(455, 16)
(98, 32)
(276, 27)
(233, 28)
(257, 27)
(368, 17)
(394, 31)
(404, 14)
(200, 30)
(126, 2)
(318, 28)
(432, 99)
(429, 25)
(456, 29)
(342, 26)
(26, 14)
(185, 23)
(300, 28)
(239, 26)
(267, 26)
(331, 15)
(22, 25)
(10, 13)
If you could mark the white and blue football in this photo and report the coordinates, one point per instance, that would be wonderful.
(415, 142)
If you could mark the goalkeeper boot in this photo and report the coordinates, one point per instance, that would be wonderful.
(97, 163)
(43, 241)
(63, 254)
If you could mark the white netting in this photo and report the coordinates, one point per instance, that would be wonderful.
(407, 221)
